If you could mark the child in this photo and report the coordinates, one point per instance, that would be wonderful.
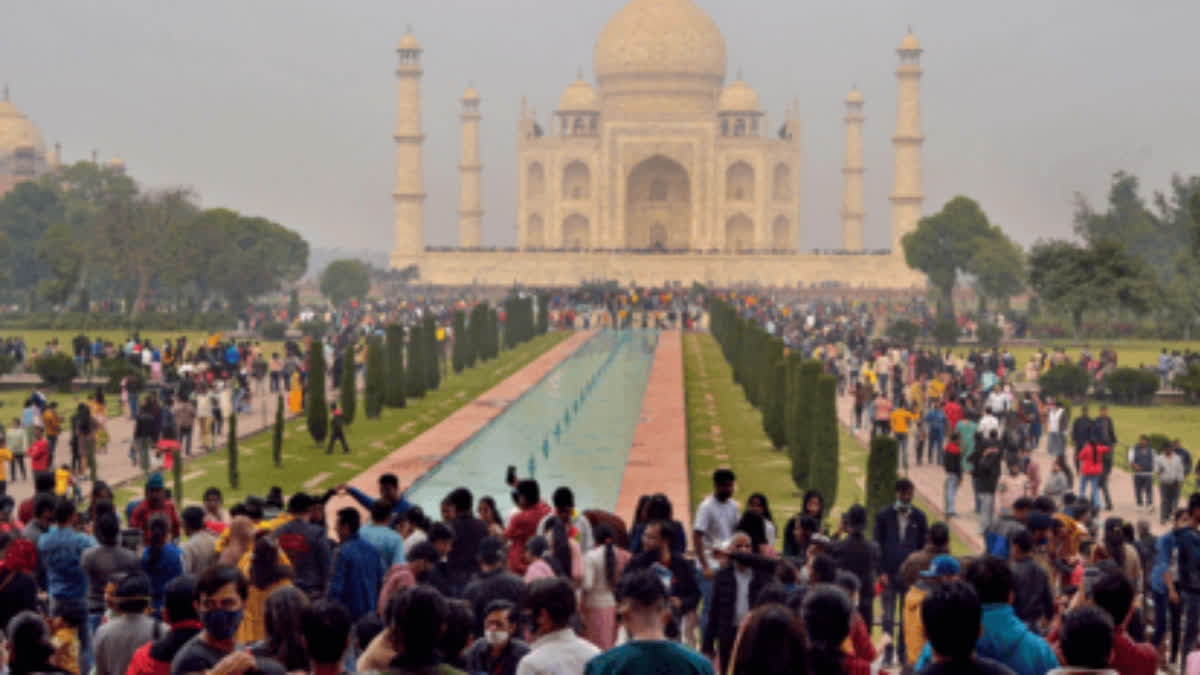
(64, 481)
(168, 449)
(68, 617)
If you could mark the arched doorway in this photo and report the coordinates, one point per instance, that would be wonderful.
(739, 234)
(658, 211)
(577, 181)
(535, 181)
(739, 183)
(781, 239)
(535, 236)
(575, 232)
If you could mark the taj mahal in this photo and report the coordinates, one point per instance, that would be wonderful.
(660, 173)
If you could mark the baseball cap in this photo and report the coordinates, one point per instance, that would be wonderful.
(942, 566)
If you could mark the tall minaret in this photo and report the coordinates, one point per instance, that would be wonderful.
(409, 194)
(852, 196)
(907, 197)
(470, 208)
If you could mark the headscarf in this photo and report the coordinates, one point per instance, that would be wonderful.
(20, 556)
(241, 540)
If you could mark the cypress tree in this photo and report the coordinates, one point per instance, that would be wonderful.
(373, 395)
(543, 317)
(881, 473)
(414, 369)
(775, 412)
(493, 333)
(478, 330)
(177, 470)
(467, 336)
(349, 385)
(395, 385)
(277, 434)
(823, 462)
(317, 410)
(234, 477)
(458, 353)
(509, 317)
(432, 354)
(800, 440)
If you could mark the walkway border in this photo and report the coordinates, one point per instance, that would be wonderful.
(658, 459)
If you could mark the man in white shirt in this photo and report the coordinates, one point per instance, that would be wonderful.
(556, 649)
(1056, 428)
(988, 423)
(995, 404)
(716, 518)
(1169, 468)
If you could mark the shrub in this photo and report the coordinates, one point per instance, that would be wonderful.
(414, 369)
(800, 441)
(946, 332)
(904, 331)
(348, 387)
(315, 328)
(881, 474)
(395, 382)
(273, 330)
(989, 335)
(823, 461)
(7, 364)
(56, 370)
(374, 392)
(234, 477)
(1190, 382)
(1131, 385)
(317, 409)
(117, 369)
(277, 434)
(1065, 381)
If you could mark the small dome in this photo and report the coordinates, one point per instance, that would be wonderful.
(17, 132)
(739, 97)
(470, 94)
(854, 97)
(116, 163)
(409, 43)
(910, 43)
(578, 97)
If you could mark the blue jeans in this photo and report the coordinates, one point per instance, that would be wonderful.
(952, 480)
(935, 449)
(85, 655)
(987, 511)
(1094, 481)
(1162, 606)
(902, 447)
(706, 586)
(133, 407)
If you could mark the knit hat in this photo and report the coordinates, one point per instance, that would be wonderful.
(155, 481)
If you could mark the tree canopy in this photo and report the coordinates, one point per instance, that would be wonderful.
(344, 280)
(1103, 276)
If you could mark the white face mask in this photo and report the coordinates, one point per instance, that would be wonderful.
(495, 638)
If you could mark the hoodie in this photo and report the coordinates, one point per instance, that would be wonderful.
(1007, 640)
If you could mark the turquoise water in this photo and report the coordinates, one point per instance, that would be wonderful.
(574, 428)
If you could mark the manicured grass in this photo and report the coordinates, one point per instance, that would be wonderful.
(306, 467)
(1130, 353)
(37, 339)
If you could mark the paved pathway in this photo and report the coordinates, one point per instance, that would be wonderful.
(929, 481)
(658, 460)
(114, 467)
(423, 453)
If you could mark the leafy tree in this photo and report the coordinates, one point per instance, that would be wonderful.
(999, 269)
(823, 463)
(1103, 277)
(945, 332)
(277, 434)
(396, 383)
(348, 386)
(317, 410)
(374, 392)
(904, 331)
(344, 280)
(293, 304)
(234, 476)
(458, 353)
(414, 367)
(881, 473)
(27, 211)
(137, 230)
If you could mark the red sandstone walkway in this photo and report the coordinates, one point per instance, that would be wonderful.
(929, 481)
(423, 453)
(658, 459)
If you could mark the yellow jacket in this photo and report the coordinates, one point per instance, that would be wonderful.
(901, 418)
(914, 628)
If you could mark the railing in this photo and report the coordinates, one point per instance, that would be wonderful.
(652, 251)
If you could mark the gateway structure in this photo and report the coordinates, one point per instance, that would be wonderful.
(659, 173)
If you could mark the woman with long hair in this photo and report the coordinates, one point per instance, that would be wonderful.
(565, 550)
(539, 563)
(754, 526)
(241, 541)
(602, 567)
(770, 642)
(265, 573)
(758, 503)
(413, 525)
(284, 638)
(1120, 551)
(162, 560)
(658, 507)
(826, 614)
(490, 515)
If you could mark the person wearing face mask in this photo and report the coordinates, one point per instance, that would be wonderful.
(734, 590)
(498, 652)
(900, 530)
(220, 597)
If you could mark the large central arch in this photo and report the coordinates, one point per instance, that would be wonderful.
(658, 210)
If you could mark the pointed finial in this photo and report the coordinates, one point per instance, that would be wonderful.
(408, 28)
(910, 29)
(6, 92)
(579, 72)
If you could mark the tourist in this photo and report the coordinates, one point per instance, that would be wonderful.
(379, 534)
(657, 553)
(1056, 427)
(1114, 594)
(30, 645)
(882, 407)
(220, 596)
(716, 518)
(492, 582)
(132, 627)
(986, 476)
(415, 618)
(1081, 432)
(1162, 586)
(179, 612)
(936, 423)
(145, 432)
(306, 545)
(61, 550)
(17, 441)
(357, 570)
(155, 502)
(389, 491)
(462, 562)
(204, 418)
(734, 590)
(952, 616)
(162, 560)
(18, 588)
(826, 616)
(1033, 598)
(563, 500)
(421, 567)
(1060, 480)
(40, 457)
(953, 464)
(487, 512)
(1091, 470)
(499, 652)
(1170, 470)
(6, 458)
(1012, 485)
(216, 518)
(524, 523)
(900, 529)
(1087, 642)
(550, 603)
(937, 544)
(282, 617)
(199, 550)
(901, 419)
(602, 567)
(185, 420)
(859, 555)
(102, 563)
(265, 573)
(327, 636)
(337, 430)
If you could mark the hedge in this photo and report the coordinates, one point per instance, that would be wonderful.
(543, 314)
(989, 335)
(277, 434)
(946, 332)
(823, 461)
(414, 368)
(395, 383)
(904, 331)
(349, 387)
(1131, 385)
(234, 477)
(317, 409)
(458, 354)
(775, 415)
(1067, 381)
(881, 474)
(373, 392)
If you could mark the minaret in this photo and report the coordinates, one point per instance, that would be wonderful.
(907, 197)
(470, 209)
(409, 193)
(852, 196)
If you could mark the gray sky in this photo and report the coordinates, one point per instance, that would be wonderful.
(285, 108)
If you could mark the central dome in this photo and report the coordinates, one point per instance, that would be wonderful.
(663, 38)
(17, 132)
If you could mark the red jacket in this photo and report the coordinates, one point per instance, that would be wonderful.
(954, 413)
(141, 517)
(1091, 459)
(523, 525)
(39, 455)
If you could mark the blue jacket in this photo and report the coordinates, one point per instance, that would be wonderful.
(1008, 640)
(169, 566)
(399, 508)
(936, 420)
(60, 551)
(357, 576)
(1163, 548)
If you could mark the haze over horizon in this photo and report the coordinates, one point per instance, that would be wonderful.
(286, 109)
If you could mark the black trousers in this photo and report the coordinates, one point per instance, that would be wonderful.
(335, 437)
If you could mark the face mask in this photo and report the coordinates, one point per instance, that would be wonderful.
(222, 624)
(902, 506)
(495, 638)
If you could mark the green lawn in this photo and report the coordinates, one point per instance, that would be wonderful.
(306, 467)
(1130, 353)
(742, 445)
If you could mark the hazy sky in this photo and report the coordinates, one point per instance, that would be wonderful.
(285, 108)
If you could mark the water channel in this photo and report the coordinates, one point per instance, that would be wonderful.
(574, 428)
